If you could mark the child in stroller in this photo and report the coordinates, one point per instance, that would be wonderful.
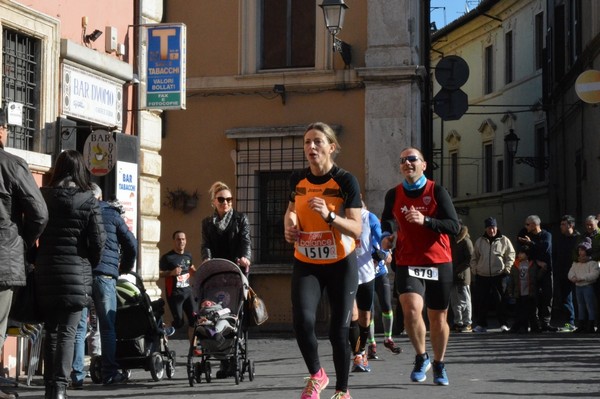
(219, 333)
(215, 322)
(141, 338)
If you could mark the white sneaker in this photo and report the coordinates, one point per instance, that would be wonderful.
(479, 329)
(504, 328)
(6, 395)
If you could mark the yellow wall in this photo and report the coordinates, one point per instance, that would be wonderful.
(196, 152)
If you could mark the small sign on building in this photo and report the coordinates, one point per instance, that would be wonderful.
(127, 192)
(15, 114)
(99, 152)
(91, 97)
(166, 64)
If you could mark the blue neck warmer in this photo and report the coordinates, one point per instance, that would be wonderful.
(416, 185)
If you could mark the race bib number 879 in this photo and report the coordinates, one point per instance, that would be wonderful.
(426, 273)
(317, 245)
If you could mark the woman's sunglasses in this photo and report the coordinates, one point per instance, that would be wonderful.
(223, 199)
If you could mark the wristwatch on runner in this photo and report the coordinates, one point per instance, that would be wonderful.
(330, 217)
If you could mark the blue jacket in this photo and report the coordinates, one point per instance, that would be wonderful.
(120, 250)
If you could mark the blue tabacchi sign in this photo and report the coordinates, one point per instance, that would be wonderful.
(166, 66)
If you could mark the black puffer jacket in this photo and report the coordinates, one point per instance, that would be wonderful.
(71, 244)
(23, 215)
(232, 243)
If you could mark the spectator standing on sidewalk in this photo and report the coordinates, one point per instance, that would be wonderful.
(584, 273)
(426, 218)
(565, 252)
(522, 287)
(69, 248)
(23, 216)
(120, 252)
(539, 242)
(226, 235)
(493, 256)
(592, 231)
(460, 296)
(176, 267)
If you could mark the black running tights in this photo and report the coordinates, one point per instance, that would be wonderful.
(340, 281)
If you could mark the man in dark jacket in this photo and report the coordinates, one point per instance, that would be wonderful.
(539, 242)
(23, 216)
(564, 253)
(460, 295)
(120, 252)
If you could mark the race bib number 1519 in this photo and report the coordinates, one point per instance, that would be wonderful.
(317, 245)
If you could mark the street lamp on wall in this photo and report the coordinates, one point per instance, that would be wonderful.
(512, 145)
(334, 12)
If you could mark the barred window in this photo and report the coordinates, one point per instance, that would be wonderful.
(264, 166)
(20, 77)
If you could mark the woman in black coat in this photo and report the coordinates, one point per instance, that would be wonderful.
(68, 249)
(226, 234)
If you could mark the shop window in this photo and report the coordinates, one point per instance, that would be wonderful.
(20, 78)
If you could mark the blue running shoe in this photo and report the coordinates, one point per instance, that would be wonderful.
(439, 374)
(422, 364)
(361, 364)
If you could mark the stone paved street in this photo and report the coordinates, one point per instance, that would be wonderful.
(492, 365)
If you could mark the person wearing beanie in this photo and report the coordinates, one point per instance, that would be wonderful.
(584, 273)
(493, 256)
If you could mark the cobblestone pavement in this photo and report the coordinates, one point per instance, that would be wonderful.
(491, 365)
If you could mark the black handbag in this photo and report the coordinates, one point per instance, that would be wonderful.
(24, 307)
(257, 308)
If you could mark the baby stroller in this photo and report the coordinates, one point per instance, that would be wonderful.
(141, 339)
(219, 331)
